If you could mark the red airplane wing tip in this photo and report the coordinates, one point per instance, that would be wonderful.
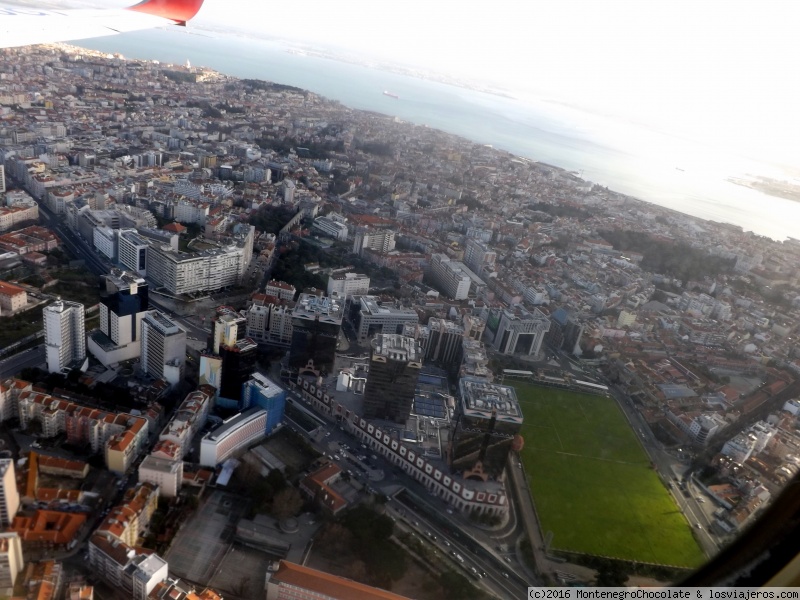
(175, 10)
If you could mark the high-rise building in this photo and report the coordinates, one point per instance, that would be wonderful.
(478, 256)
(394, 367)
(11, 560)
(163, 347)
(488, 417)
(444, 343)
(132, 251)
(316, 322)
(260, 391)
(238, 364)
(64, 335)
(123, 304)
(9, 496)
(227, 328)
(516, 331)
(2, 179)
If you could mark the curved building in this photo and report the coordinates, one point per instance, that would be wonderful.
(235, 433)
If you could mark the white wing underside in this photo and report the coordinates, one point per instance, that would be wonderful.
(26, 26)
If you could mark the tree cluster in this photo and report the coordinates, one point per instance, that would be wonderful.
(271, 219)
(366, 534)
(291, 267)
(559, 210)
(375, 147)
(676, 259)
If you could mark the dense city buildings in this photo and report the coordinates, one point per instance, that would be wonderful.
(394, 366)
(488, 417)
(524, 263)
(64, 335)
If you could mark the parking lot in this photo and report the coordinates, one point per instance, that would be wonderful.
(201, 545)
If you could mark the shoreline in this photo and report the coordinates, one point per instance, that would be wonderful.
(483, 119)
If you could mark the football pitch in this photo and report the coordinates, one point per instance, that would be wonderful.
(593, 484)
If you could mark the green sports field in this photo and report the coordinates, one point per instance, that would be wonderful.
(592, 481)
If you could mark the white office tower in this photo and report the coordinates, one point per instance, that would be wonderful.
(163, 347)
(2, 179)
(11, 562)
(64, 336)
(9, 496)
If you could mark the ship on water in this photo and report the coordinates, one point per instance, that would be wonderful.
(390, 94)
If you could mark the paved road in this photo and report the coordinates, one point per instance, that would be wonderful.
(33, 357)
(387, 478)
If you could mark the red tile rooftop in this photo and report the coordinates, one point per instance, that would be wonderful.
(329, 585)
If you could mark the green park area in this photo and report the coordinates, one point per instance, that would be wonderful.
(593, 484)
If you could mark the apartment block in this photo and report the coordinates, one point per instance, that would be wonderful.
(64, 335)
(453, 278)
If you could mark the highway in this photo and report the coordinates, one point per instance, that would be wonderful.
(427, 515)
(33, 357)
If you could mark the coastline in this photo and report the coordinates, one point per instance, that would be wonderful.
(617, 156)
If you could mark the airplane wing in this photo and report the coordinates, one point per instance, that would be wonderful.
(26, 25)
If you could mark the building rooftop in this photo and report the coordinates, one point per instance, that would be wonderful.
(162, 465)
(9, 289)
(123, 280)
(233, 423)
(163, 323)
(396, 347)
(310, 306)
(369, 304)
(479, 398)
(329, 585)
